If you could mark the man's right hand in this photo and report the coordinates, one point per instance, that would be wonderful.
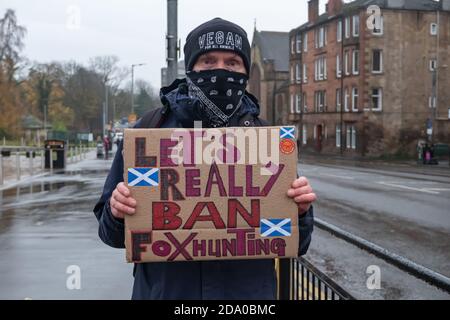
(122, 203)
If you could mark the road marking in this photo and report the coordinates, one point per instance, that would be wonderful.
(337, 176)
(438, 189)
(408, 188)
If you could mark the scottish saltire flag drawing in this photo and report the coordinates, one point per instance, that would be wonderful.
(276, 228)
(287, 133)
(148, 177)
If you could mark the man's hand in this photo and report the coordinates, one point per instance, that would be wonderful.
(121, 202)
(303, 194)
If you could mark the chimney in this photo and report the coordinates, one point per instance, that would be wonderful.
(334, 7)
(445, 5)
(313, 10)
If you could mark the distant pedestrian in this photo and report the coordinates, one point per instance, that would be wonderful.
(106, 144)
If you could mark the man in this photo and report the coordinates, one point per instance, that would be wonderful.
(106, 146)
(217, 56)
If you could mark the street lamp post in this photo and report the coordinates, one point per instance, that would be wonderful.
(132, 84)
(45, 121)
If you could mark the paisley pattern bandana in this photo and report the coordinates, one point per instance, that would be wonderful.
(220, 93)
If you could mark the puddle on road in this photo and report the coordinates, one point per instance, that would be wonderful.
(55, 197)
(59, 184)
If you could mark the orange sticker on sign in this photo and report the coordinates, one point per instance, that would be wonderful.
(287, 146)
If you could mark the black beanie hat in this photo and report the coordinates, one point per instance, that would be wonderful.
(216, 34)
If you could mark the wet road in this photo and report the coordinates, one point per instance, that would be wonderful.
(407, 213)
(46, 226)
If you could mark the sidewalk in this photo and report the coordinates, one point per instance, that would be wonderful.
(405, 166)
(49, 238)
(31, 168)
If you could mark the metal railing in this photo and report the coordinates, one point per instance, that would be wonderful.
(300, 280)
(309, 283)
(432, 277)
(73, 154)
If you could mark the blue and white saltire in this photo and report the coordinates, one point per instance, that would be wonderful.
(287, 133)
(140, 177)
(276, 228)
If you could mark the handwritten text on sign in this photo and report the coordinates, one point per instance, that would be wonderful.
(209, 194)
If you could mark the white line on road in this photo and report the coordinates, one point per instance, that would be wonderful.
(438, 189)
(408, 188)
(337, 176)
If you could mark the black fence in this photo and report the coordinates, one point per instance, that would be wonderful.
(300, 280)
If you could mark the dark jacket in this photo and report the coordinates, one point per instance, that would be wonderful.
(236, 280)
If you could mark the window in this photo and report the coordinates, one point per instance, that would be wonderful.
(346, 63)
(320, 101)
(356, 26)
(320, 69)
(338, 67)
(321, 37)
(338, 135)
(378, 30)
(355, 99)
(305, 105)
(305, 73)
(292, 74)
(292, 104)
(351, 137)
(377, 99)
(338, 100)
(355, 62)
(298, 103)
(346, 100)
(433, 65)
(298, 76)
(377, 61)
(434, 29)
(432, 102)
(305, 135)
(299, 43)
(347, 27)
(339, 31)
(292, 46)
(305, 43)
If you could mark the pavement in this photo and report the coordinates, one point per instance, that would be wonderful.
(47, 226)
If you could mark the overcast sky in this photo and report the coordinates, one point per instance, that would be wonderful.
(134, 30)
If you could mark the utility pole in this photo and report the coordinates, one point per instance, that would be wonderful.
(132, 84)
(104, 120)
(431, 124)
(45, 120)
(172, 40)
(132, 89)
(106, 116)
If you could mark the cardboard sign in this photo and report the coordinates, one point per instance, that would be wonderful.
(211, 194)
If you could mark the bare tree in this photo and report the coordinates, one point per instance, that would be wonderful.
(11, 43)
(107, 68)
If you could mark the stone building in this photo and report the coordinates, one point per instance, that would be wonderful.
(371, 77)
(269, 74)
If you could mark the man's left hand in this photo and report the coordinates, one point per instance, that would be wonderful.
(302, 193)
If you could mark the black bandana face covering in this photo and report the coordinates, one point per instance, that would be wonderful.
(220, 93)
